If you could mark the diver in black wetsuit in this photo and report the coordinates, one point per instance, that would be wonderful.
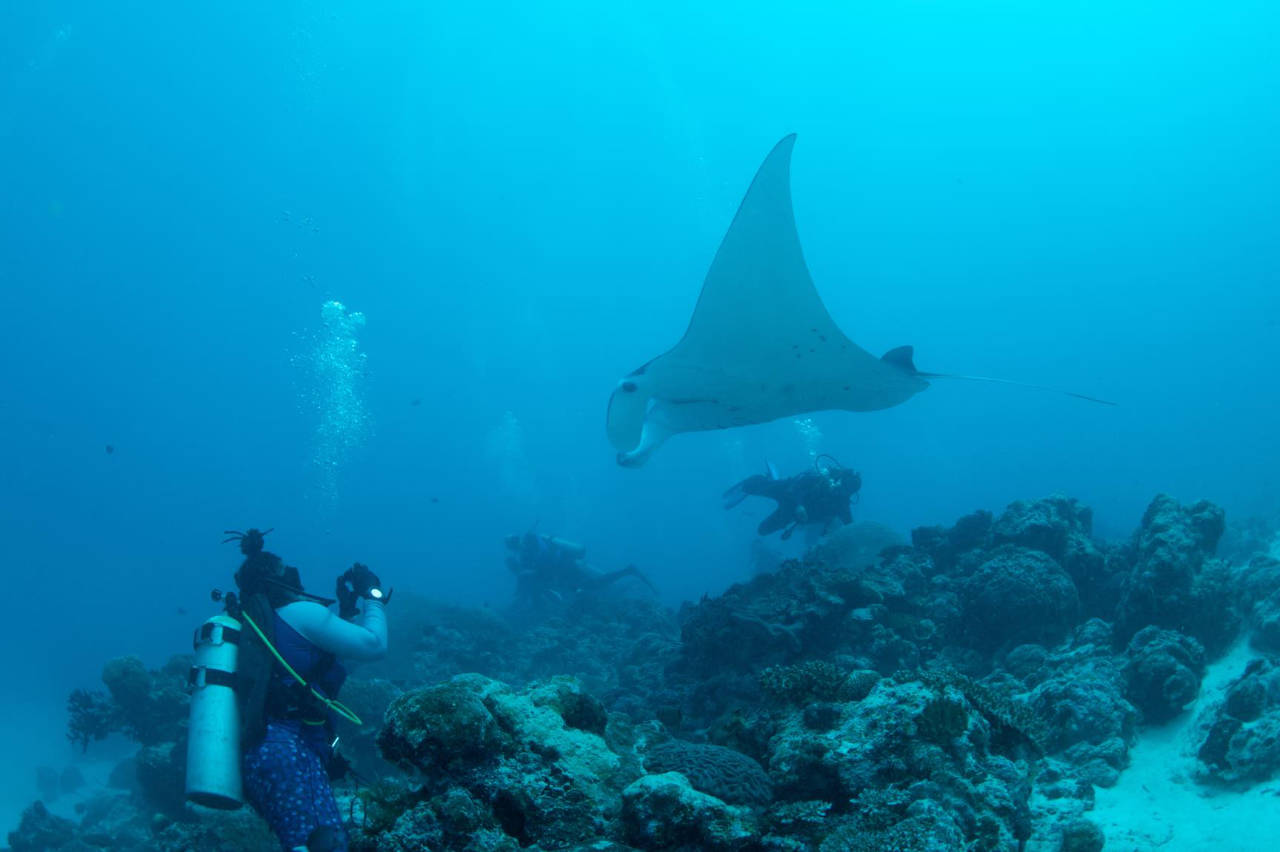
(819, 496)
(550, 570)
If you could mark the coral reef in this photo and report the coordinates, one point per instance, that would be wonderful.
(1260, 592)
(91, 717)
(665, 812)
(715, 770)
(148, 706)
(1170, 549)
(968, 690)
(446, 727)
(921, 744)
(816, 680)
(151, 705)
(1240, 734)
(494, 758)
(1079, 693)
(1018, 595)
(1163, 672)
(40, 831)
(115, 822)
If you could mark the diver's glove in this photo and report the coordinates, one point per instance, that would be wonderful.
(360, 582)
(347, 597)
(365, 581)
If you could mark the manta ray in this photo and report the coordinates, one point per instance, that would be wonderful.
(760, 345)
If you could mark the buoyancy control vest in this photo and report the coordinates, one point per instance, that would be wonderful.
(288, 699)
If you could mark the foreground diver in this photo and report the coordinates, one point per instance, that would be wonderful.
(550, 570)
(290, 681)
(819, 496)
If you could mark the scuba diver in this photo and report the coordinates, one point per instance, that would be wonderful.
(819, 496)
(288, 685)
(550, 571)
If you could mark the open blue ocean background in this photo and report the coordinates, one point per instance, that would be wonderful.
(521, 200)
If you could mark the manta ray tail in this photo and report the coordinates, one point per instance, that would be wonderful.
(903, 358)
(1017, 384)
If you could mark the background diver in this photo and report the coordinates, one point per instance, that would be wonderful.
(287, 725)
(551, 570)
(819, 496)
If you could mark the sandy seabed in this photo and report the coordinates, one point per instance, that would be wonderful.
(1157, 804)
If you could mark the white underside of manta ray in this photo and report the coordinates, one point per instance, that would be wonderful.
(760, 345)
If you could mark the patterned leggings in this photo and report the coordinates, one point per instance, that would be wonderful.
(285, 781)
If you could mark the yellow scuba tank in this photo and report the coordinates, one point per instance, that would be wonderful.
(213, 734)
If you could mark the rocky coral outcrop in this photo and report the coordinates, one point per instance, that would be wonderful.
(1046, 525)
(1259, 584)
(1163, 672)
(148, 706)
(152, 704)
(1018, 595)
(927, 743)
(662, 812)
(729, 775)
(945, 546)
(1170, 550)
(1239, 735)
(792, 622)
(40, 831)
(531, 764)
(114, 822)
(1078, 690)
(444, 728)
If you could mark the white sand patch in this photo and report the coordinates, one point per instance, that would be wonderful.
(1157, 804)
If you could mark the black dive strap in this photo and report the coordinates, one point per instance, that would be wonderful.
(214, 677)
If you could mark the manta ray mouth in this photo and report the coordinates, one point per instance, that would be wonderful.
(625, 419)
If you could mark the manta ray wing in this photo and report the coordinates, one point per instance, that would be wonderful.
(760, 345)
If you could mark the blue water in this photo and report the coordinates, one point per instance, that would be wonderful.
(521, 200)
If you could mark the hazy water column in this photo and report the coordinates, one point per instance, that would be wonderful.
(334, 392)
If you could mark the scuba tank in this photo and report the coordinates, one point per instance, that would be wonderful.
(213, 734)
(229, 690)
(569, 548)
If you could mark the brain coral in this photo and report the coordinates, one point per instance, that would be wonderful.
(728, 775)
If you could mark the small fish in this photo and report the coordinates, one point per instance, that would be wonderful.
(416, 401)
(111, 449)
(435, 499)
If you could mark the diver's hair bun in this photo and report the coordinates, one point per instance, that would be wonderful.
(252, 542)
